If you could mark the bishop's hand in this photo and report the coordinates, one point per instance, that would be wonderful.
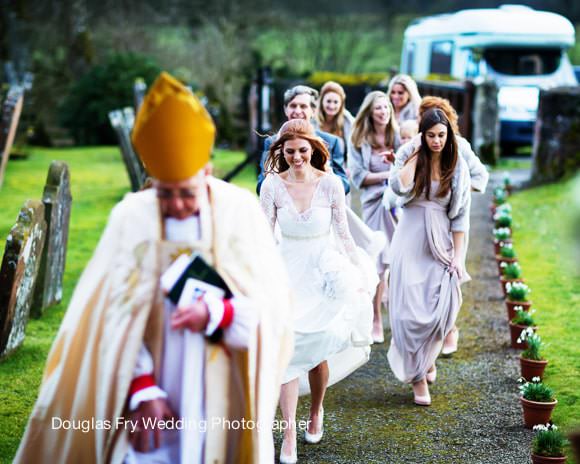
(147, 414)
(194, 317)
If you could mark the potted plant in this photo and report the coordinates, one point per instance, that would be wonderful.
(502, 219)
(507, 183)
(517, 295)
(501, 236)
(510, 273)
(507, 254)
(537, 401)
(548, 445)
(532, 364)
(521, 326)
(499, 198)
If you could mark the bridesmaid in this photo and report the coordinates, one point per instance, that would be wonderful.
(374, 139)
(332, 115)
(404, 97)
(426, 257)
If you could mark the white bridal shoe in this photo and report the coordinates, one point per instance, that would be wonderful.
(314, 438)
(288, 458)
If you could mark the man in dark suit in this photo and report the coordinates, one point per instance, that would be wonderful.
(300, 103)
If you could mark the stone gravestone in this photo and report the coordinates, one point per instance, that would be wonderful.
(556, 151)
(139, 91)
(11, 109)
(18, 274)
(57, 205)
(122, 121)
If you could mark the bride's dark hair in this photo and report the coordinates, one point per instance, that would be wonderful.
(291, 130)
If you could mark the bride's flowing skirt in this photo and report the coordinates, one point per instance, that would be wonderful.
(333, 307)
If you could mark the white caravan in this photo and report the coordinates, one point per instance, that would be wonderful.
(521, 49)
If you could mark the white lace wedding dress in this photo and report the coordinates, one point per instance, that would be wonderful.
(332, 280)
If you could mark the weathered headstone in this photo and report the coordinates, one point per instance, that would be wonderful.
(556, 151)
(485, 138)
(18, 274)
(57, 205)
(139, 90)
(122, 121)
(11, 109)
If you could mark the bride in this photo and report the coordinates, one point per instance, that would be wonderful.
(332, 280)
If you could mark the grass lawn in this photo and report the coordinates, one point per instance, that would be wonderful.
(543, 242)
(98, 181)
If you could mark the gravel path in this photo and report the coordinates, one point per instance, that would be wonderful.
(475, 416)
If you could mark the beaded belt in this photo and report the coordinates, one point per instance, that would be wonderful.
(309, 237)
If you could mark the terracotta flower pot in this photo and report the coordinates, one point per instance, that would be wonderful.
(536, 412)
(515, 331)
(510, 305)
(500, 259)
(537, 459)
(504, 281)
(497, 246)
(530, 368)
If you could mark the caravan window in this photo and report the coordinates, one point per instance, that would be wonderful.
(441, 57)
(523, 61)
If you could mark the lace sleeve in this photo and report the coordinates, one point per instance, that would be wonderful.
(339, 221)
(267, 200)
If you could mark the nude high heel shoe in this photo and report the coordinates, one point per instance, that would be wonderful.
(431, 376)
(453, 336)
(421, 400)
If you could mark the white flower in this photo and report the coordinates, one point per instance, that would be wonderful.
(519, 308)
(536, 379)
(503, 264)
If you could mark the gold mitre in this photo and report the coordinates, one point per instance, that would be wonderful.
(173, 133)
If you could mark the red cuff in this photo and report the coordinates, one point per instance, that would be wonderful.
(228, 316)
(140, 383)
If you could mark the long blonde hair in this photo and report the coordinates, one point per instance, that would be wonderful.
(363, 129)
(331, 125)
(410, 86)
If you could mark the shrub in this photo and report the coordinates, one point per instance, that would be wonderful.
(104, 88)
(507, 251)
(549, 441)
(536, 391)
(511, 270)
(517, 291)
(534, 345)
(502, 233)
(523, 318)
(502, 219)
(499, 196)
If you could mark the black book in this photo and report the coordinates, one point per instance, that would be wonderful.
(190, 267)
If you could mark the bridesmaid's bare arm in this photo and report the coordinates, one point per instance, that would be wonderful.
(407, 173)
